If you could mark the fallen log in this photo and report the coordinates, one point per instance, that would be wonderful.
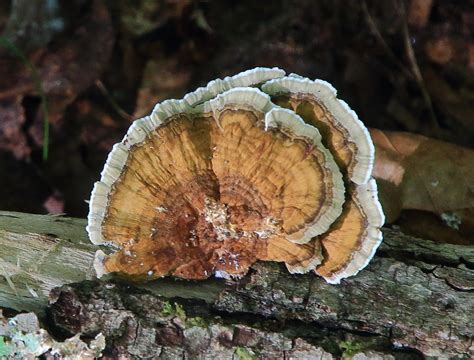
(416, 296)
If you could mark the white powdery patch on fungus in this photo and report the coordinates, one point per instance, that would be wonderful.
(215, 214)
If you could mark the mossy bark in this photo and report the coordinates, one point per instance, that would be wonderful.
(416, 295)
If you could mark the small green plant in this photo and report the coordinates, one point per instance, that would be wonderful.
(7, 44)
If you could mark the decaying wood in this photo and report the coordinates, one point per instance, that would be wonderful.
(39, 253)
(415, 294)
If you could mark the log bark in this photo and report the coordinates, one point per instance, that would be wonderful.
(415, 297)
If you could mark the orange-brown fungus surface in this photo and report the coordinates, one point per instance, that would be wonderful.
(344, 239)
(346, 235)
(201, 195)
(335, 137)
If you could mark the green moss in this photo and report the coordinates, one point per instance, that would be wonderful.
(351, 348)
(196, 321)
(180, 311)
(169, 309)
(175, 309)
(244, 353)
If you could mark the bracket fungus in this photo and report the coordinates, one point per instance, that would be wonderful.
(237, 172)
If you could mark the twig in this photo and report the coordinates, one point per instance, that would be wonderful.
(373, 27)
(414, 73)
(416, 69)
(16, 91)
(103, 90)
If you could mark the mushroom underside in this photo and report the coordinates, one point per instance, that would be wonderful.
(229, 176)
(201, 195)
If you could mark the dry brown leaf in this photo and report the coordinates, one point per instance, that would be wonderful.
(427, 225)
(420, 173)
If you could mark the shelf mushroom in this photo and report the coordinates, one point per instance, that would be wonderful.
(225, 177)
(195, 190)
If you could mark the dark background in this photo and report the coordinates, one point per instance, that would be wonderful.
(401, 65)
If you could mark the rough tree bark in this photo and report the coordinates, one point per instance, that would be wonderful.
(415, 298)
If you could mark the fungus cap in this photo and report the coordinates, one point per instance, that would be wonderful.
(345, 135)
(215, 187)
(352, 240)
